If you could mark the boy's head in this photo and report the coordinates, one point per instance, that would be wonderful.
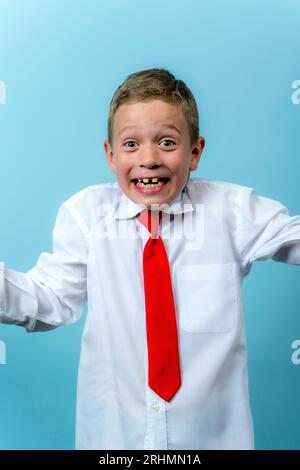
(153, 129)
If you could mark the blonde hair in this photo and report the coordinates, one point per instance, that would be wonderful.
(150, 84)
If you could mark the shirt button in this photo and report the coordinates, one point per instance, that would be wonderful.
(155, 406)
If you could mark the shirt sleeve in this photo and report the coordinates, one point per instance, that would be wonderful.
(54, 291)
(266, 230)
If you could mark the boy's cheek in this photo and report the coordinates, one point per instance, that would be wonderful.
(113, 168)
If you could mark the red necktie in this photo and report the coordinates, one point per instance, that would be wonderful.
(163, 353)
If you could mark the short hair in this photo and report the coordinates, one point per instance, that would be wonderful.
(150, 84)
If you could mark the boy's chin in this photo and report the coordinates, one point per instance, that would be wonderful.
(153, 200)
(150, 201)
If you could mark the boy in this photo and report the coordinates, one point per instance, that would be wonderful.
(153, 144)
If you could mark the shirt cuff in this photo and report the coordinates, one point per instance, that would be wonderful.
(18, 301)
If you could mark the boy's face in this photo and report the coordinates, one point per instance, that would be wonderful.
(145, 146)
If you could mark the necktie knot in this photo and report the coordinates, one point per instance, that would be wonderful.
(150, 219)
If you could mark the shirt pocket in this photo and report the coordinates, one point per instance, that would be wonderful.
(207, 297)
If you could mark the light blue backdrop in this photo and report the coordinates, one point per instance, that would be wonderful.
(60, 62)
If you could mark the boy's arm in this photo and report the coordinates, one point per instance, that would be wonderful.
(53, 292)
(266, 230)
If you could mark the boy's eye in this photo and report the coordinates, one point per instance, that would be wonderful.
(128, 142)
(168, 140)
(164, 140)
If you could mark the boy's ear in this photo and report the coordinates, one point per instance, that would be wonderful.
(197, 150)
(110, 156)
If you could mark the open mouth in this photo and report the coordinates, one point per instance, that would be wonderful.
(150, 182)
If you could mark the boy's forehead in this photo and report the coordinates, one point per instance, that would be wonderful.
(134, 116)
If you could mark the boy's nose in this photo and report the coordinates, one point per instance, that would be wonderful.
(149, 161)
(149, 164)
(149, 158)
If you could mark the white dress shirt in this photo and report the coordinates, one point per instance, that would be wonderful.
(228, 227)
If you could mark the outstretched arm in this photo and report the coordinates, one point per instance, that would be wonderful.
(266, 230)
(53, 292)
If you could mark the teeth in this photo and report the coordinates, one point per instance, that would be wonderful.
(149, 185)
(146, 180)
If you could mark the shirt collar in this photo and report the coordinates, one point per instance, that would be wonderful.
(128, 209)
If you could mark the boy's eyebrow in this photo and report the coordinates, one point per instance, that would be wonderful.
(164, 126)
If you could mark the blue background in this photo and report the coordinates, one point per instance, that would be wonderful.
(61, 62)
